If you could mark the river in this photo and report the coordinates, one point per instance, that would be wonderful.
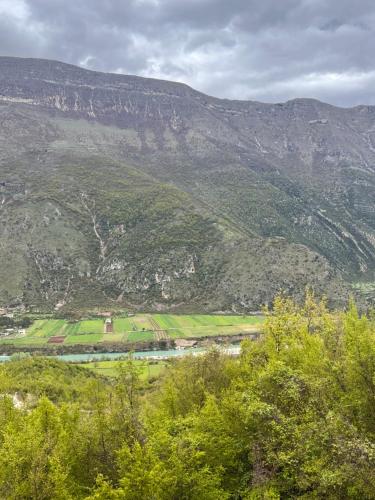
(233, 350)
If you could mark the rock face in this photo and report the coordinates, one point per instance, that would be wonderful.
(143, 192)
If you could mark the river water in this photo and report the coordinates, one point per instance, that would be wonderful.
(171, 353)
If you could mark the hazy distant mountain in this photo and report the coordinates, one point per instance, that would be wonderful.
(146, 192)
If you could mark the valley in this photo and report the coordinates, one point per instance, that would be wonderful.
(187, 250)
(297, 402)
(127, 331)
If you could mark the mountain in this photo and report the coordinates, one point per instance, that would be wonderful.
(118, 189)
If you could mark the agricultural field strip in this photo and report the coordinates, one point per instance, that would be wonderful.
(140, 327)
(48, 328)
(159, 333)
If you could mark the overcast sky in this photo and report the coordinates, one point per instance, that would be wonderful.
(268, 50)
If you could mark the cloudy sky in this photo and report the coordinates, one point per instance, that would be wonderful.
(269, 50)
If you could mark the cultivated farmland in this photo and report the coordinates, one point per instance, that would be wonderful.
(137, 328)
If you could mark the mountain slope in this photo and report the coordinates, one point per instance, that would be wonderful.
(145, 192)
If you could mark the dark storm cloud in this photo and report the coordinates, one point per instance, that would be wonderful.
(245, 49)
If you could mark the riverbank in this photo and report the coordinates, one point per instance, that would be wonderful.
(121, 347)
(231, 349)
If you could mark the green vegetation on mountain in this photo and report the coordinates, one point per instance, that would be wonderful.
(118, 190)
(292, 417)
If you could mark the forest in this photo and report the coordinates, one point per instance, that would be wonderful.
(291, 417)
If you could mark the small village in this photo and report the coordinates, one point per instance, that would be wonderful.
(7, 325)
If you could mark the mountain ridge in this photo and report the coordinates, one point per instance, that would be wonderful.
(55, 62)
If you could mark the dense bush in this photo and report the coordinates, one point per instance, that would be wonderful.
(22, 322)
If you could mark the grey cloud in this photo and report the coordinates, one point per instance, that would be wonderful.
(245, 49)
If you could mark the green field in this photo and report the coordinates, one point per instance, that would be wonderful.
(147, 370)
(137, 328)
(90, 326)
(202, 325)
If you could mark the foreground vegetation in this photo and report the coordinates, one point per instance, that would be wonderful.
(137, 328)
(292, 417)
